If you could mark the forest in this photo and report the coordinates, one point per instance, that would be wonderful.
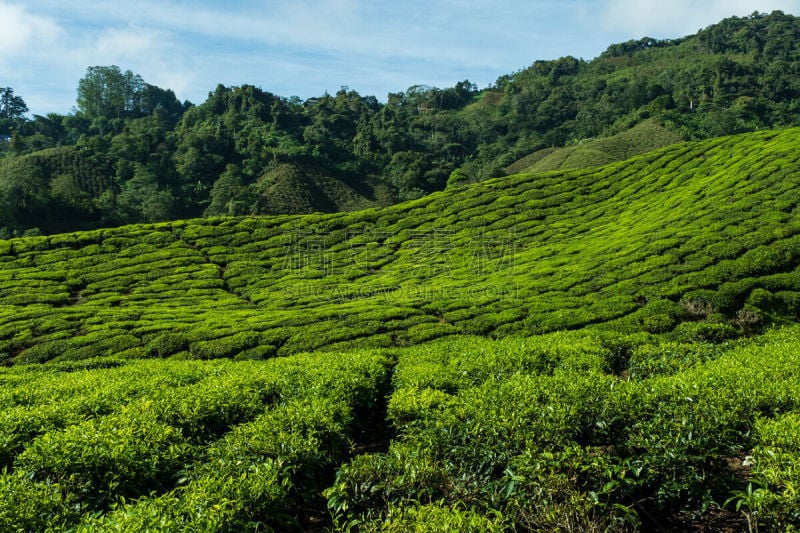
(131, 152)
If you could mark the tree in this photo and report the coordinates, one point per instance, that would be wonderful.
(229, 196)
(457, 178)
(141, 198)
(11, 106)
(153, 99)
(109, 92)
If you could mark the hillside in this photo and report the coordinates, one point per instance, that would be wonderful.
(647, 406)
(633, 245)
(297, 189)
(640, 139)
(163, 160)
(52, 189)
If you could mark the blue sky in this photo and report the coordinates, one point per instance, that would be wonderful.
(306, 47)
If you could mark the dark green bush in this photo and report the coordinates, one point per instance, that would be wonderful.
(661, 316)
(225, 346)
(704, 332)
(762, 299)
(166, 344)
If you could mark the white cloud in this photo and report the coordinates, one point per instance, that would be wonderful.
(120, 44)
(676, 18)
(150, 52)
(306, 46)
(19, 30)
(306, 22)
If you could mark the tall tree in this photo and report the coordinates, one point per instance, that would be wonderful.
(109, 92)
(11, 106)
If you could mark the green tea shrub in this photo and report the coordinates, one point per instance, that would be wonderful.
(29, 506)
(71, 392)
(732, 295)
(262, 351)
(97, 344)
(310, 435)
(89, 364)
(126, 453)
(224, 347)
(45, 351)
(370, 483)
(789, 302)
(431, 330)
(211, 504)
(668, 358)
(762, 299)
(456, 445)
(679, 440)
(773, 499)
(434, 518)
(568, 489)
(661, 316)
(412, 403)
(264, 473)
(215, 405)
(715, 332)
(617, 349)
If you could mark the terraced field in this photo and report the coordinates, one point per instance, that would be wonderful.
(570, 350)
(642, 138)
(711, 223)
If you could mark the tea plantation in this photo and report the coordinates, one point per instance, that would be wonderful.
(608, 348)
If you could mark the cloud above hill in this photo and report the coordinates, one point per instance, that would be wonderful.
(306, 47)
(659, 18)
(20, 29)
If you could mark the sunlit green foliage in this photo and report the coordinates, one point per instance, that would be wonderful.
(697, 240)
(569, 350)
(536, 434)
(208, 445)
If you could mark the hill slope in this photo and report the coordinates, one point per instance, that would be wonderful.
(712, 224)
(642, 138)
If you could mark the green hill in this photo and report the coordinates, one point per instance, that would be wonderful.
(295, 189)
(634, 245)
(642, 138)
(622, 391)
(52, 189)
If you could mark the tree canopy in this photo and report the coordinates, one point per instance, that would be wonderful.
(11, 106)
(108, 92)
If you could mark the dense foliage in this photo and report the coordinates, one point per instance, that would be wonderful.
(214, 446)
(659, 411)
(539, 434)
(550, 433)
(246, 151)
(702, 236)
